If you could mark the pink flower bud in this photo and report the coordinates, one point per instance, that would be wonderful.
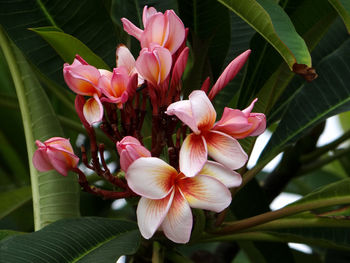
(130, 149)
(55, 154)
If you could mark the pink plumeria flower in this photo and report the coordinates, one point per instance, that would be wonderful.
(166, 30)
(229, 73)
(154, 64)
(118, 87)
(240, 124)
(130, 149)
(83, 78)
(199, 114)
(166, 195)
(55, 154)
(125, 59)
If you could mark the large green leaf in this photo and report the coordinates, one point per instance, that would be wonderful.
(334, 37)
(74, 240)
(86, 20)
(343, 8)
(54, 197)
(12, 199)
(68, 46)
(328, 95)
(269, 19)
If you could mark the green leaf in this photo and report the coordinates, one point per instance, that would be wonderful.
(333, 194)
(74, 240)
(11, 200)
(7, 233)
(269, 20)
(87, 20)
(54, 196)
(68, 46)
(343, 9)
(328, 95)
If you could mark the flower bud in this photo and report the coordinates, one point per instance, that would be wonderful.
(55, 154)
(130, 149)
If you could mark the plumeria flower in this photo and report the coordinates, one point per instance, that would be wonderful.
(154, 64)
(166, 30)
(166, 195)
(130, 149)
(83, 78)
(199, 114)
(118, 87)
(240, 124)
(55, 154)
(125, 59)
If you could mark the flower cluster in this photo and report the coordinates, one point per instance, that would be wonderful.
(118, 101)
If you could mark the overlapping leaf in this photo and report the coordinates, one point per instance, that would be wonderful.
(269, 19)
(74, 240)
(54, 196)
(86, 20)
(326, 96)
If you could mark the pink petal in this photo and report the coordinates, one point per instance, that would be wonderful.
(59, 143)
(151, 213)
(132, 85)
(233, 122)
(229, 73)
(205, 192)
(205, 85)
(147, 65)
(131, 29)
(177, 224)
(249, 109)
(130, 150)
(179, 67)
(259, 123)
(225, 150)
(165, 62)
(182, 110)
(62, 162)
(193, 155)
(79, 108)
(156, 31)
(176, 31)
(125, 58)
(119, 81)
(150, 177)
(93, 110)
(41, 161)
(202, 110)
(147, 13)
(223, 174)
(82, 79)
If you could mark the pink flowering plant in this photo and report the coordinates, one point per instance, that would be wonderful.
(162, 125)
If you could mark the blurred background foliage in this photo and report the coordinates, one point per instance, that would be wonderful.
(291, 42)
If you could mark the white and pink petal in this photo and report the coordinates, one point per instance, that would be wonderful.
(193, 155)
(151, 177)
(151, 213)
(225, 150)
(220, 172)
(205, 192)
(178, 222)
(203, 110)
